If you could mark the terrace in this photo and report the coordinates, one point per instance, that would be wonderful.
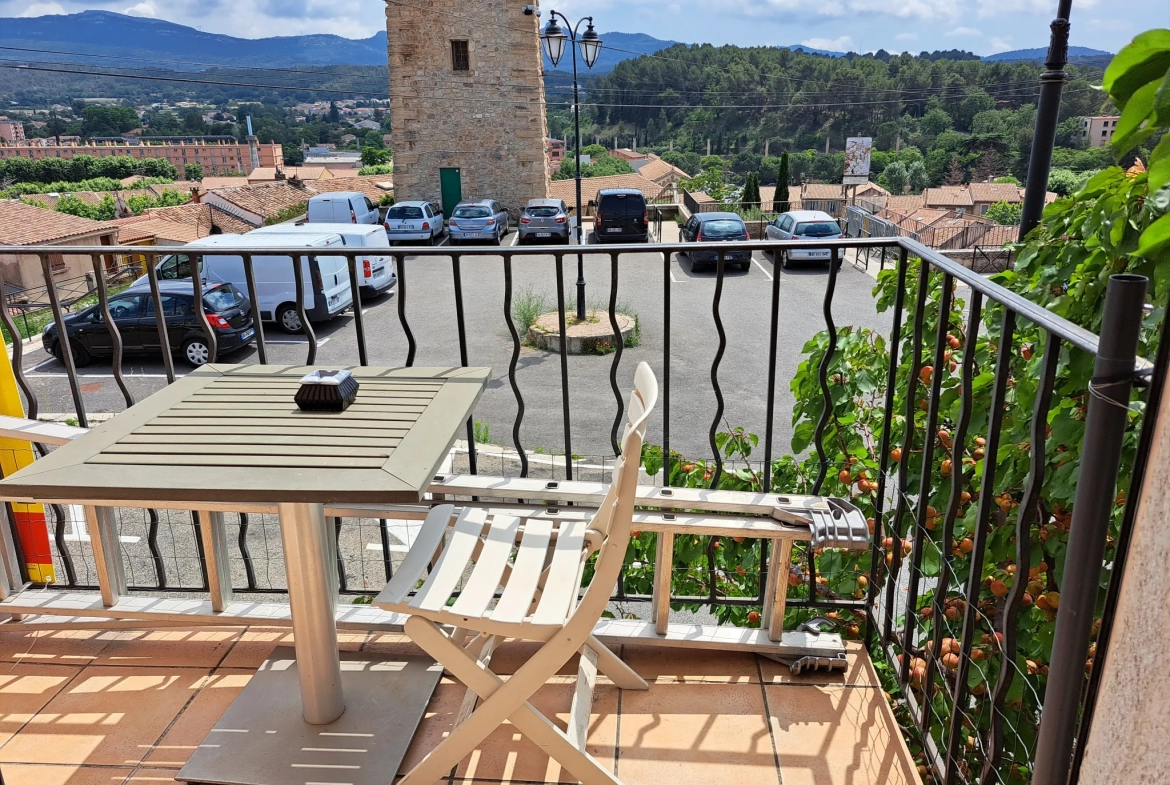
(156, 618)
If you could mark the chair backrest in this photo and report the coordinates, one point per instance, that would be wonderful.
(614, 516)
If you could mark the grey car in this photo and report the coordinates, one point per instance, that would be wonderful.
(544, 219)
(804, 225)
(478, 219)
(716, 227)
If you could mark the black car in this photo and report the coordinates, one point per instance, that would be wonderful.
(713, 228)
(228, 312)
(621, 216)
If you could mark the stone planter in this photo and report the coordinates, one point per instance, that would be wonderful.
(592, 336)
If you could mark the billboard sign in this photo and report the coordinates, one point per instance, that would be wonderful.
(857, 152)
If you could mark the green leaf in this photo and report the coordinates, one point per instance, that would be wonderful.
(1159, 172)
(1144, 60)
(1155, 239)
(1162, 102)
(1129, 132)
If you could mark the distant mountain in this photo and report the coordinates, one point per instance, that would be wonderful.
(179, 47)
(1039, 54)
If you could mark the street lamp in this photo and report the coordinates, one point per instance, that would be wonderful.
(555, 38)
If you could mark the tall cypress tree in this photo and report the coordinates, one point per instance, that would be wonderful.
(780, 202)
(751, 192)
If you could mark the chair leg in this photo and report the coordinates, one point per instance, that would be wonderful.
(501, 701)
(614, 669)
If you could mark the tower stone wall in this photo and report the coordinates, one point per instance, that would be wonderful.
(488, 120)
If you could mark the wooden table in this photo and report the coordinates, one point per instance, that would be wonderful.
(231, 438)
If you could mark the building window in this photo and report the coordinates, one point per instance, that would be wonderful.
(460, 56)
(56, 263)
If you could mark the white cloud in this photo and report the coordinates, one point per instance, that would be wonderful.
(1000, 45)
(673, 8)
(145, 8)
(964, 31)
(997, 7)
(907, 36)
(43, 9)
(842, 44)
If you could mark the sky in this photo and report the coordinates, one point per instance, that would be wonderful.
(981, 26)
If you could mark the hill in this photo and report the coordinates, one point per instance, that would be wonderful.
(1038, 54)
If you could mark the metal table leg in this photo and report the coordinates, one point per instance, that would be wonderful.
(311, 595)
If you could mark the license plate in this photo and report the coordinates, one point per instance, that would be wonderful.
(247, 334)
(403, 228)
(820, 253)
(377, 271)
(544, 234)
(615, 229)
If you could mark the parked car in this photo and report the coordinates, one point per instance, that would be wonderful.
(376, 272)
(544, 219)
(716, 227)
(326, 278)
(417, 222)
(342, 207)
(621, 215)
(803, 225)
(480, 219)
(227, 310)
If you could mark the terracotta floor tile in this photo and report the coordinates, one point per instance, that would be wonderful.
(256, 643)
(858, 673)
(696, 733)
(837, 736)
(167, 648)
(511, 655)
(667, 665)
(68, 647)
(25, 774)
(392, 643)
(24, 691)
(506, 755)
(198, 718)
(145, 774)
(106, 715)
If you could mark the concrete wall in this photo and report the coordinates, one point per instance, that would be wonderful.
(488, 121)
(1127, 743)
(24, 270)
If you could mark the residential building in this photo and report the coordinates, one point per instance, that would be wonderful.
(567, 189)
(267, 174)
(956, 198)
(368, 125)
(256, 204)
(654, 168)
(448, 143)
(1098, 131)
(632, 156)
(983, 195)
(768, 197)
(554, 149)
(11, 131)
(214, 154)
(23, 224)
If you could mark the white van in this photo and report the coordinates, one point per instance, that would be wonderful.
(342, 207)
(326, 278)
(376, 273)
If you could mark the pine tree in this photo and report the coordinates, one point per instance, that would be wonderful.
(780, 201)
(751, 192)
(955, 172)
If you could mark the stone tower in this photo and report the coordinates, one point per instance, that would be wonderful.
(466, 102)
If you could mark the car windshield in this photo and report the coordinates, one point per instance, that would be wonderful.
(818, 229)
(722, 228)
(402, 213)
(542, 212)
(222, 298)
(472, 212)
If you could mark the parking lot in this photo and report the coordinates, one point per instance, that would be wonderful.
(642, 279)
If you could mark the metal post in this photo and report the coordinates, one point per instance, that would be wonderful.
(1105, 426)
(1047, 115)
(580, 207)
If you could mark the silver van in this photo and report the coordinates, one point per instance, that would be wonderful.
(342, 207)
(376, 272)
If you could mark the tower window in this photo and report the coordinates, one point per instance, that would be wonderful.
(460, 57)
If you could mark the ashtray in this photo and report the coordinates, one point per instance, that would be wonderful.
(327, 391)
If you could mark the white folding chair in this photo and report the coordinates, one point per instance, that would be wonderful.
(539, 565)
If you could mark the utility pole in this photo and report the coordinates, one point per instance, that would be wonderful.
(1047, 116)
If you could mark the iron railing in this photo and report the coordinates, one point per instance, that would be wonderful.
(170, 551)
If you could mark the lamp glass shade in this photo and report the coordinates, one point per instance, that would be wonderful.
(554, 42)
(590, 46)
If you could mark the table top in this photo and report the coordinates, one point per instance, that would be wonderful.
(232, 434)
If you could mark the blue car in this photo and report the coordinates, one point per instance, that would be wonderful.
(478, 220)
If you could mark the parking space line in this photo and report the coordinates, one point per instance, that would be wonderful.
(765, 272)
(673, 279)
(515, 237)
(43, 363)
(320, 341)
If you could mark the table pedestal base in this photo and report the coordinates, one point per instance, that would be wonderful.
(262, 739)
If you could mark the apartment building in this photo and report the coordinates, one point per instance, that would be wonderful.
(11, 130)
(214, 154)
(1098, 131)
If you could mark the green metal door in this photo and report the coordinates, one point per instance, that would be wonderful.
(451, 186)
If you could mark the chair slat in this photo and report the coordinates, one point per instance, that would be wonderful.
(423, 547)
(563, 575)
(517, 596)
(444, 578)
(489, 568)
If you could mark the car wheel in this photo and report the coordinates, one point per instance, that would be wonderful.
(196, 351)
(288, 318)
(81, 355)
(745, 266)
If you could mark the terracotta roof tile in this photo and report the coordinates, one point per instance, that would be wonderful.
(656, 168)
(822, 191)
(768, 196)
(24, 224)
(374, 186)
(869, 189)
(904, 204)
(995, 192)
(265, 199)
(948, 196)
(567, 190)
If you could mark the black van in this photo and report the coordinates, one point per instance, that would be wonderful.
(621, 216)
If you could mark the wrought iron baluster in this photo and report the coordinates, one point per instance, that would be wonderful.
(200, 311)
(200, 550)
(66, 352)
(400, 265)
(18, 356)
(384, 536)
(115, 334)
(921, 537)
(773, 337)
(895, 343)
(564, 364)
(245, 553)
(618, 345)
(665, 361)
(342, 579)
(254, 300)
(512, 365)
(720, 272)
(823, 373)
(63, 546)
(355, 294)
(160, 318)
(461, 330)
(1026, 517)
(160, 568)
(299, 281)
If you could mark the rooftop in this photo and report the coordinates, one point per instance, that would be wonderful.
(567, 189)
(23, 224)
